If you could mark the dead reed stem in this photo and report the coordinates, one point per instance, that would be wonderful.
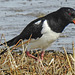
(73, 58)
(67, 59)
(21, 43)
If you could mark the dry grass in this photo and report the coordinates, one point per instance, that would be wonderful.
(54, 63)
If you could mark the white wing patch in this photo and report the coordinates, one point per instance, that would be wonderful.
(38, 22)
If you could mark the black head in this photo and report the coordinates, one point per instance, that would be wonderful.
(68, 13)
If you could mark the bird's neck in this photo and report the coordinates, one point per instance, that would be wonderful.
(57, 24)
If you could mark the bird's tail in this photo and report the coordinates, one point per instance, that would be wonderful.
(10, 43)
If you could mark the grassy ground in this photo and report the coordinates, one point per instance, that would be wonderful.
(54, 63)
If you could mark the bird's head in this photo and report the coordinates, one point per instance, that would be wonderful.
(69, 14)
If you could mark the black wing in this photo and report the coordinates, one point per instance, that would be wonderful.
(33, 28)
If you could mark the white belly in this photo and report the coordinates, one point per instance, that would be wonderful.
(43, 42)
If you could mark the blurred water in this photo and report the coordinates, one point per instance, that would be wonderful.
(16, 14)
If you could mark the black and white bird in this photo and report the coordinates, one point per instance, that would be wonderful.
(45, 30)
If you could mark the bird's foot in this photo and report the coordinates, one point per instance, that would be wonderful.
(38, 59)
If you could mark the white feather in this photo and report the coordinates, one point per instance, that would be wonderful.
(38, 22)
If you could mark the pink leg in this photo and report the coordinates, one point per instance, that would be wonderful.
(36, 58)
(42, 54)
(30, 55)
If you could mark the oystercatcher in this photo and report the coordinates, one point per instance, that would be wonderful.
(45, 30)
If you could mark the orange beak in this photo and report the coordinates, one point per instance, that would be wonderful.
(74, 20)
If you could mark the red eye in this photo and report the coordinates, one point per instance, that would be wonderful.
(69, 13)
